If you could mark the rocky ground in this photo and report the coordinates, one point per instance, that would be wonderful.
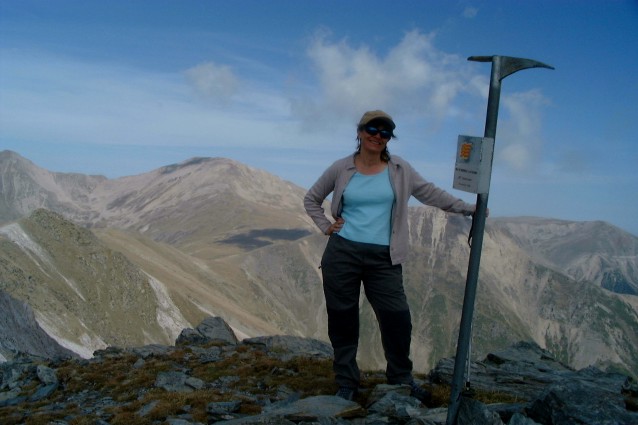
(208, 376)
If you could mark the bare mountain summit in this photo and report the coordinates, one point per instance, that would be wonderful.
(176, 204)
(25, 187)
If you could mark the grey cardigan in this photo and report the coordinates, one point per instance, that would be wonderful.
(406, 182)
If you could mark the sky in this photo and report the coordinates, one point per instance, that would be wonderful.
(120, 88)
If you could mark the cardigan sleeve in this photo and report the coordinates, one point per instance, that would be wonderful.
(315, 197)
(430, 194)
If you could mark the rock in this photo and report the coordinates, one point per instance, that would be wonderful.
(292, 346)
(10, 372)
(609, 381)
(398, 406)
(382, 390)
(146, 409)
(630, 387)
(150, 350)
(208, 354)
(179, 421)
(523, 370)
(507, 410)
(189, 336)
(223, 407)
(312, 408)
(554, 391)
(194, 383)
(211, 329)
(580, 402)
(13, 401)
(46, 375)
(178, 382)
(259, 420)
(225, 410)
(9, 395)
(43, 392)
(473, 412)
(108, 353)
(519, 419)
(18, 318)
(216, 329)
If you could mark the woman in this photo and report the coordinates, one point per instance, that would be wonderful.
(368, 243)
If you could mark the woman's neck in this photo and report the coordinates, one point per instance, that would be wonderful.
(367, 163)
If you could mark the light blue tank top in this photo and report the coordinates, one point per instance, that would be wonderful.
(367, 208)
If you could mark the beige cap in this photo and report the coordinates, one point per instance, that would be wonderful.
(376, 115)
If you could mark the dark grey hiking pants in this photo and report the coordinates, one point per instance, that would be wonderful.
(345, 265)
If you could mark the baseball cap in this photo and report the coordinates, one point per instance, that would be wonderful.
(376, 115)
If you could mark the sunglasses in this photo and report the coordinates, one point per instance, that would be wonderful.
(373, 131)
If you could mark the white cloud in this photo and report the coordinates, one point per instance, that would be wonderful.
(413, 77)
(214, 81)
(74, 101)
(520, 139)
(207, 105)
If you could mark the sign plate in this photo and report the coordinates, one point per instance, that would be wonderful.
(473, 167)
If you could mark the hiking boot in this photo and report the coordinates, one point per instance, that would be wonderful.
(421, 394)
(346, 393)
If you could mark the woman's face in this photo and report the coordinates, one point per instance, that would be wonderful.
(374, 137)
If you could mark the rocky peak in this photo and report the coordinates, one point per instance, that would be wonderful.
(211, 377)
(25, 187)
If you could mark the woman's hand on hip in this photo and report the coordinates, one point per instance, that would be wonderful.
(336, 226)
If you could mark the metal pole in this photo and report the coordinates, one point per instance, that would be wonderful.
(502, 66)
(468, 364)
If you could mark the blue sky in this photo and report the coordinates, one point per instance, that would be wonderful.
(123, 87)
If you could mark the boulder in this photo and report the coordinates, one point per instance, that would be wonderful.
(292, 346)
(210, 330)
(574, 401)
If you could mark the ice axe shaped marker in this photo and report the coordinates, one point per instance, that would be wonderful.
(502, 66)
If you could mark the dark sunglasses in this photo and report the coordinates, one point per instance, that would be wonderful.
(373, 131)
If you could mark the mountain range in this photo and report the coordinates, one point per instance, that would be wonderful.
(134, 260)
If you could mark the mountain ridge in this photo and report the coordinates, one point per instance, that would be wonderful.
(225, 239)
(593, 245)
